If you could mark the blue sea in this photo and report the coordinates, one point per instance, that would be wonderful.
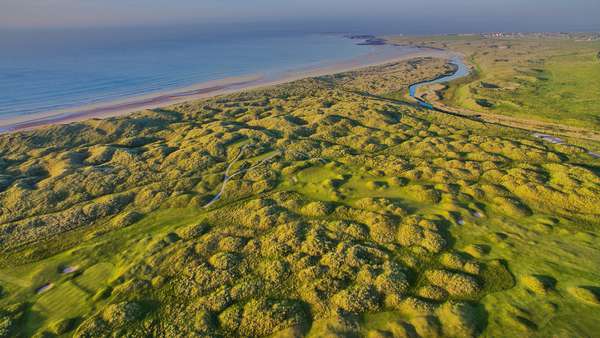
(52, 71)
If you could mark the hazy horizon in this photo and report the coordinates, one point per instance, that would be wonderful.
(376, 16)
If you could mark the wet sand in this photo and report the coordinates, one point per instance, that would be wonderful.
(203, 90)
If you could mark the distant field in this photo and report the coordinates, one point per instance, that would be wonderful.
(347, 212)
(546, 79)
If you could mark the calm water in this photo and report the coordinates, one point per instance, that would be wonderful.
(39, 74)
(461, 71)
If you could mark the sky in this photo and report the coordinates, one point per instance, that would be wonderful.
(380, 16)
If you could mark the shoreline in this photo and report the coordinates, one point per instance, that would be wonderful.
(205, 90)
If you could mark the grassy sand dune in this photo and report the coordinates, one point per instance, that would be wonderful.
(354, 214)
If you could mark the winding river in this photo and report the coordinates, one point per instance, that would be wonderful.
(461, 71)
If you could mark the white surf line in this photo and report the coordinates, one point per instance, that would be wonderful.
(228, 177)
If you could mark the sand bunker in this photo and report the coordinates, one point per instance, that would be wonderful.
(69, 269)
(44, 288)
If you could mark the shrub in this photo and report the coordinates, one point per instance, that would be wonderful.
(102, 294)
(193, 230)
(100, 154)
(539, 284)
(63, 326)
(453, 260)
(376, 185)
(375, 333)
(399, 181)
(496, 276)
(122, 313)
(587, 294)
(412, 306)
(357, 299)
(204, 322)
(336, 326)
(425, 194)
(126, 219)
(460, 319)
(381, 228)
(457, 284)
(246, 289)
(317, 209)
(523, 323)
(92, 327)
(262, 317)
(231, 318)
(158, 281)
(433, 241)
(218, 300)
(477, 250)
(392, 281)
(130, 288)
(275, 271)
(224, 260)
(410, 234)
(317, 243)
(6, 326)
(357, 255)
(427, 326)
(231, 244)
(357, 230)
(432, 292)
(472, 267)
(380, 205)
(511, 207)
(171, 237)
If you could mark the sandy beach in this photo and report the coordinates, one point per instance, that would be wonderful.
(203, 90)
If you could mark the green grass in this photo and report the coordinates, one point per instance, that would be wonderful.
(99, 260)
(66, 300)
(96, 276)
(562, 88)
